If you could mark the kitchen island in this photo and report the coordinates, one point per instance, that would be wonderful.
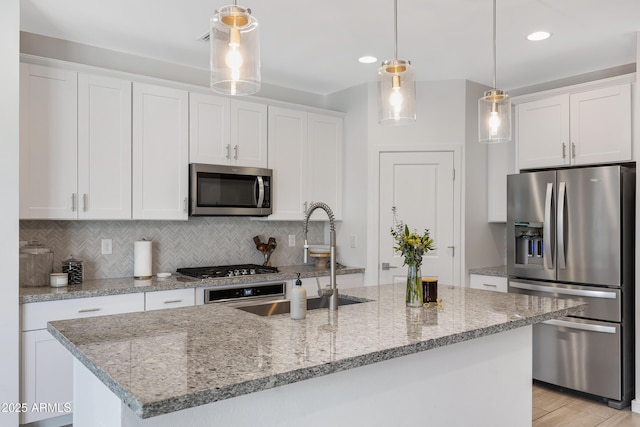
(465, 361)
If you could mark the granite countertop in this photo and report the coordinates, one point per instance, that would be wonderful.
(128, 285)
(163, 361)
(498, 270)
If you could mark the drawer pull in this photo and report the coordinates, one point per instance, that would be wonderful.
(173, 301)
(89, 310)
(489, 285)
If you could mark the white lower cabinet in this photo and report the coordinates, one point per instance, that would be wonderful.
(488, 283)
(169, 299)
(46, 366)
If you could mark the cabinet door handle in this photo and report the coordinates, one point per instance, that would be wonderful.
(186, 205)
(235, 152)
(173, 301)
(573, 150)
(228, 151)
(89, 310)
(73, 202)
(84, 202)
(564, 150)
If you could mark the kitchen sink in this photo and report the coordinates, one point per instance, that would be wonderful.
(282, 306)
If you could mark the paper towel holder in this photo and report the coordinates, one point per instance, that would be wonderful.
(142, 268)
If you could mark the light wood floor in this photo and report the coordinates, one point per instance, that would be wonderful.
(552, 408)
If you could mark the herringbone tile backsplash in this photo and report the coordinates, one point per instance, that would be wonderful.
(194, 243)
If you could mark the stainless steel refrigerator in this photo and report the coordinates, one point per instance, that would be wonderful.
(571, 234)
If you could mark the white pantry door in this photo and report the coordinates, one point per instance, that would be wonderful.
(420, 185)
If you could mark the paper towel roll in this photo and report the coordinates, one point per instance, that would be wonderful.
(142, 259)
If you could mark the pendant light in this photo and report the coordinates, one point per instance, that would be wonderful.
(396, 86)
(235, 51)
(494, 108)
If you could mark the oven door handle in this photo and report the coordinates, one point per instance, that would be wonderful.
(564, 291)
(582, 326)
(260, 188)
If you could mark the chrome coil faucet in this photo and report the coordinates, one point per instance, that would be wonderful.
(332, 292)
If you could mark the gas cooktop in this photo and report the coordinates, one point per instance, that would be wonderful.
(227, 270)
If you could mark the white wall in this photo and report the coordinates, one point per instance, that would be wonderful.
(9, 129)
(353, 102)
(485, 243)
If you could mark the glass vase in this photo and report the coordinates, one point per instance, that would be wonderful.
(414, 286)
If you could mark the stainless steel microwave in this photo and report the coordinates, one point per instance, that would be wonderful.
(220, 190)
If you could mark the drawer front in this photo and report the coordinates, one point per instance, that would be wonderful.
(489, 283)
(169, 299)
(35, 315)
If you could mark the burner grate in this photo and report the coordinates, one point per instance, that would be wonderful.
(227, 270)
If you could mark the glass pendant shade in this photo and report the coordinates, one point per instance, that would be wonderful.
(235, 51)
(494, 117)
(396, 93)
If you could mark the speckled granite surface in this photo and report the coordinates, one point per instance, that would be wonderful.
(127, 285)
(163, 361)
(499, 270)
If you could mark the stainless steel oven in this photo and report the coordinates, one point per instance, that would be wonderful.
(245, 294)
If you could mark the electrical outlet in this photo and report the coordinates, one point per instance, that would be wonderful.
(107, 246)
(353, 241)
(292, 240)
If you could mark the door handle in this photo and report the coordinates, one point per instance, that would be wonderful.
(453, 250)
(546, 233)
(581, 326)
(387, 266)
(564, 291)
(562, 190)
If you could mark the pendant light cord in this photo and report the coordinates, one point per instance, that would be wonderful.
(395, 28)
(494, 45)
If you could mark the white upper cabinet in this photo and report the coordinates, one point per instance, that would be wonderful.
(75, 149)
(48, 143)
(288, 158)
(248, 134)
(160, 152)
(305, 153)
(324, 163)
(501, 161)
(601, 125)
(104, 147)
(543, 133)
(589, 127)
(224, 131)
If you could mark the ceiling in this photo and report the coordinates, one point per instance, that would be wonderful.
(314, 45)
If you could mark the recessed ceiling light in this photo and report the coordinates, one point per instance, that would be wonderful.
(367, 59)
(538, 35)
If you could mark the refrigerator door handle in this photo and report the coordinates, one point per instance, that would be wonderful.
(562, 189)
(546, 233)
(563, 291)
(581, 326)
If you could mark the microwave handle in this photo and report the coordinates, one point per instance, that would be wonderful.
(260, 188)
